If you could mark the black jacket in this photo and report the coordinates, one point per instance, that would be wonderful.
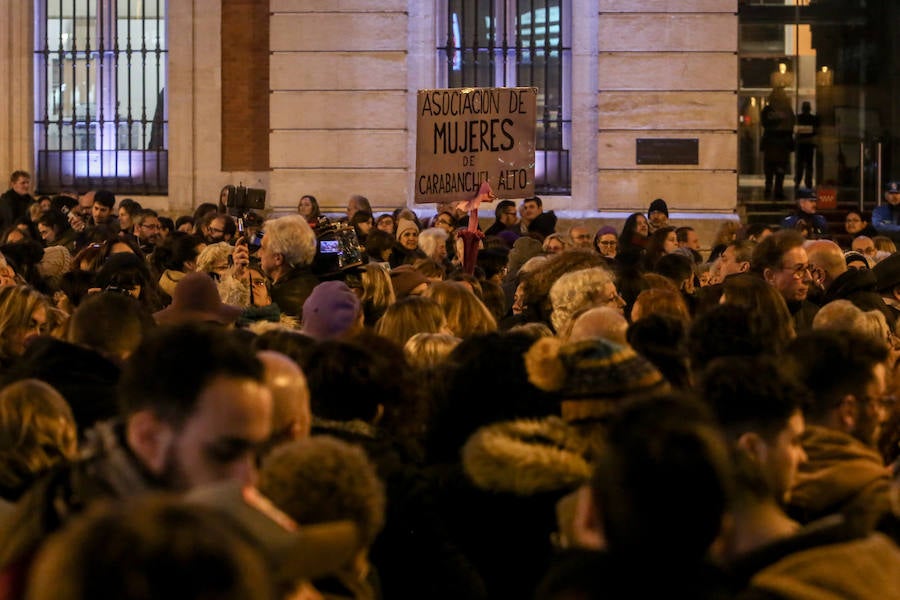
(859, 287)
(292, 290)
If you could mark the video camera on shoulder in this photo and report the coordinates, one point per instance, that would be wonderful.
(337, 248)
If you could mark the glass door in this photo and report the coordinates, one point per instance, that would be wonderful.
(816, 100)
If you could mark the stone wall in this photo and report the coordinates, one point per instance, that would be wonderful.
(667, 69)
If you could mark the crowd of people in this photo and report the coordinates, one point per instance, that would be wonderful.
(212, 406)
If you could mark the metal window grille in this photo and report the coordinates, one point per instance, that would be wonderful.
(100, 109)
(508, 43)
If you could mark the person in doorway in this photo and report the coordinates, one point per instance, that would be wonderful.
(777, 120)
(807, 128)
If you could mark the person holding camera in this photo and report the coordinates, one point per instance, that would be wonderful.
(286, 254)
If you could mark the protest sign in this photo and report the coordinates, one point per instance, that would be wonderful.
(469, 135)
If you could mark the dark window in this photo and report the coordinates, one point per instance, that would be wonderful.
(517, 43)
(100, 108)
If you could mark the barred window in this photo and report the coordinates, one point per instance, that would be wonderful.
(508, 43)
(100, 108)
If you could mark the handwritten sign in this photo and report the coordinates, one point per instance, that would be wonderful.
(469, 135)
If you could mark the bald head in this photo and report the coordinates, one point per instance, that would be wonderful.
(291, 417)
(602, 322)
(827, 256)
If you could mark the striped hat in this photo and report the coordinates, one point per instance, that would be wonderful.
(591, 377)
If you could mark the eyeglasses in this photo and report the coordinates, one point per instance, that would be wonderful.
(800, 270)
(612, 243)
(216, 230)
(152, 227)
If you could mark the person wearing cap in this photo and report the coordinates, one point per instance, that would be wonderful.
(606, 242)
(886, 218)
(194, 408)
(406, 247)
(816, 225)
(657, 215)
(286, 254)
(196, 300)
(331, 311)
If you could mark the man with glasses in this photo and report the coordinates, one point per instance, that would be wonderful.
(580, 236)
(147, 229)
(505, 217)
(194, 410)
(838, 282)
(80, 217)
(782, 261)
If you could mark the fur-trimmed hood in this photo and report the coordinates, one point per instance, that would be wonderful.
(526, 457)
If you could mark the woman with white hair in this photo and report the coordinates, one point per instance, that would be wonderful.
(578, 290)
(433, 242)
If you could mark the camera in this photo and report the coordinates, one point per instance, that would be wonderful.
(243, 199)
(337, 248)
(256, 241)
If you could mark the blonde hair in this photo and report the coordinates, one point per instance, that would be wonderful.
(377, 291)
(466, 314)
(428, 350)
(409, 316)
(884, 243)
(559, 238)
(212, 254)
(37, 431)
(17, 304)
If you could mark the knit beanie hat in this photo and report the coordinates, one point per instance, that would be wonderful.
(405, 225)
(55, 262)
(591, 377)
(853, 256)
(658, 205)
(330, 310)
(607, 229)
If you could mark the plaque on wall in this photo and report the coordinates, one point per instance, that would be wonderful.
(667, 151)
